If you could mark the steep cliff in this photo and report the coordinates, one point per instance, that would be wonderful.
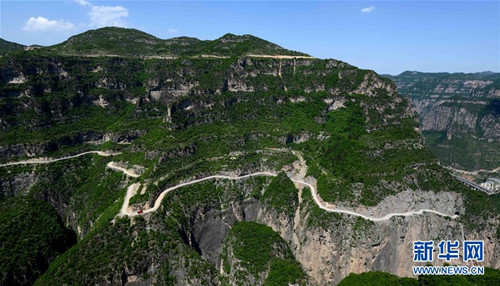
(445, 85)
(254, 254)
(459, 116)
(315, 124)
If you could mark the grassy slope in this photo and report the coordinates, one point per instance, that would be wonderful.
(281, 195)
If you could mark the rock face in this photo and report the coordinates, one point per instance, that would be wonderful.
(339, 245)
(252, 250)
(445, 85)
(459, 116)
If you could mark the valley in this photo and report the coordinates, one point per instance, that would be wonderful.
(459, 117)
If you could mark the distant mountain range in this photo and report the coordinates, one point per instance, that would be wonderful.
(459, 116)
(422, 85)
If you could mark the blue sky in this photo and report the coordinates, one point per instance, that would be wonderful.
(386, 36)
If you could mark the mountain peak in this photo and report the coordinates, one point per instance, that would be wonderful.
(247, 44)
(132, 42)
(234, 37)
(114, 33)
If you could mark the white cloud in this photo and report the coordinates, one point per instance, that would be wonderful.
(101, 16)
(172, 31)
(41, 24)
(368, 9)
(83, 3)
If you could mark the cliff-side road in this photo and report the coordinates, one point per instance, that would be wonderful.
(132, 189)
(51, 160)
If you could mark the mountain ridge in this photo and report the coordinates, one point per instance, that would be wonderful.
(132, 42)
(416, 72)
(7, 46)
(418, 75)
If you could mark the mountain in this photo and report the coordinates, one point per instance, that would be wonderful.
(469, 85)
(233, 45)
(6, 47)
(240, 170)
(132, 42)
(110, 40)
(459, 117)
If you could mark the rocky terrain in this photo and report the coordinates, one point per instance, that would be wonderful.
(459, 117)
(446, 85)
(185, 109)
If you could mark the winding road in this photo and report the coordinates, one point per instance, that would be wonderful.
(128, 172)
(132, 190)
(317, 199)
(388, 216)
(50, 160)
(165, 192)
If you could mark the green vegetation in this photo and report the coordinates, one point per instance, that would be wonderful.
(490, 277)
(425, 84)
(285, 272)
(111, 247)
(377, 278)
(233, 45)
(257, 248)
(191, 117)
(107, 252)
(281, 195)
(465, 112)
(318, 217)
(468, 147)
(32, 235)
(7, 47)
(255, 245)
(463, 151)
(110, 40)
(84, 184)
(361, 161)
(130, 42)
